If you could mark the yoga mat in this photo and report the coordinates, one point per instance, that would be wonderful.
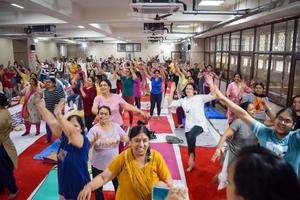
(17, 119)
(145, 98)
(46, 152)
(161, 125)
(168, 153)
(213, 113)
(49, 188)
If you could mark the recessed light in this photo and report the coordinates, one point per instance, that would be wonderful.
(183, 26)
(16, 5)
(80, 26)
(210, 3)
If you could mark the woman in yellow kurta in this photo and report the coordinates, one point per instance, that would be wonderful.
(137, 168)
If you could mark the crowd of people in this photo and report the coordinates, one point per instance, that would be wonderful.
(103, 89)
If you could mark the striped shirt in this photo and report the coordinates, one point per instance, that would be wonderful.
(52, 98)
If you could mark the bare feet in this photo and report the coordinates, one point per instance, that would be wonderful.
(191, 163)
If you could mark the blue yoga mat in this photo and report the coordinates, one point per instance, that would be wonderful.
(49, 188)
(212, 113)
(46, 152)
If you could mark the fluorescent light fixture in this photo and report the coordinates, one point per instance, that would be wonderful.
(80, 26)
(210, 3)
(35, 40)
(84, 45)
(183, 26)
(16, 5)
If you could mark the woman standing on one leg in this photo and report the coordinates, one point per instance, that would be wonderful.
(193, 106)
(8, 152)
(156, 89)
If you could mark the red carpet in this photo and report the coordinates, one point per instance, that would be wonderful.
(30, 172)
(200, 180)
(161, 125)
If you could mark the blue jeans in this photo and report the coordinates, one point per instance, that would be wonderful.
(73, 97)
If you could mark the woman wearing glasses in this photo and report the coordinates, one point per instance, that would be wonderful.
(105, 137)
(281, 139)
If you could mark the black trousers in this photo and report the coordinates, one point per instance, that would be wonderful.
(138, 102)
(88, 119)
(191, 138)
(99, 192)
(155, 99)
(7, 179)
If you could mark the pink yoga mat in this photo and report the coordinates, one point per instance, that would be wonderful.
(168, 153)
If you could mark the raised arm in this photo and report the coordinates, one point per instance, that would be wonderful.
(134, 109)
(146, 72)
(47, 115)
(229, 132)
(73, 133)
(132, 72)
(162, 72)
(241, 113)
(97, 182)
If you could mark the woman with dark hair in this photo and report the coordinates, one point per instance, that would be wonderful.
(105, 137)
(234, 92)
(258, 174)
(157, 78)
(296, 107)
(88, 92)
(260, 102)
(76, 83)
(241, 136)
(72, 154)
(281, 139)
(195, 120)
(8, 152)
(29, 112)
(137, 168)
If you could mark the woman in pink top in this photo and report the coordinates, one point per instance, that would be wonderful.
(115, 102)
(137, 89)
(235, 91)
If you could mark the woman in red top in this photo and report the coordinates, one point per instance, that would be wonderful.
(88, 92)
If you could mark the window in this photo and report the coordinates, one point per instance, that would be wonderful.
(233, 65)
(212, 43)
(225, 65)
(218, 63)
(296, 89)
(226, 42)
(263, 38)
(129, 47)
(206, 58)
(261, 68)
(247, 40)
(235, 41)
(206, 44)
(283, 36)
(279, 81)
(246, 62)
(212, 59)
(219, 42)
(298, 37)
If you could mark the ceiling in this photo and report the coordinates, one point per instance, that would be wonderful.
(110, 20)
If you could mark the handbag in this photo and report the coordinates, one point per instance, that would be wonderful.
(173, 139)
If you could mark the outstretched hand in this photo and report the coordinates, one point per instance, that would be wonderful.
(213, 88)
(38, 99)
(58, 111)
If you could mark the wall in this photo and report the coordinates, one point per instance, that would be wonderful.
(196, 52)
(46, 50)
(7, 53)
(106, 50)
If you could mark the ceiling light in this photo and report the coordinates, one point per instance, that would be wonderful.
(84, 45)
(210, 3)
(35, 40)
(80, 26)
(183, 26)
(16, 5)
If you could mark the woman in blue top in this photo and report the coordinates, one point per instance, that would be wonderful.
(281, 139)
(157, 77)
(73, 151)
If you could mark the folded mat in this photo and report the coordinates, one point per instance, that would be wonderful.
(213, 113)
(49, 187)
(46, 152)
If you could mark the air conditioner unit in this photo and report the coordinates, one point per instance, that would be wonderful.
(41, 30)
(155, 6)
(154, 28)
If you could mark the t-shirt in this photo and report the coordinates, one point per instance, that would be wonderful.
(287, 147)
(137, 87)
(127, 83)
(88, 100)
(114, 102)
(117, 167)
(194, 110)
(156, 85)
(107, 147)
(242, 137)
(52, 98)
(72, 166)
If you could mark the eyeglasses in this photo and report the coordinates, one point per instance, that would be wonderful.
(285, 121)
